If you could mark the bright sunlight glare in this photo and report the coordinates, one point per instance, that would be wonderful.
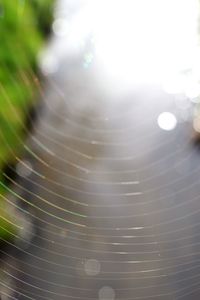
(138, 41)
(141, 40)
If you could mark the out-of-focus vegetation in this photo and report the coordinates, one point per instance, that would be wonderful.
(43, 11)
(23, 25)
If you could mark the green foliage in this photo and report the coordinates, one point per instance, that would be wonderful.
(43, 10)
(23, 24)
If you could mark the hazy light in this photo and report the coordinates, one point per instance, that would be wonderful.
(167, 121)
(60, 27)
(184, 84)
(106, 293)
(193, 91)
(175, 84)
(182, 103)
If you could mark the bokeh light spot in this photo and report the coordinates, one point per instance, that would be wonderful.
(92, 267)
(167, 121)
(24, 168)
(106, 293)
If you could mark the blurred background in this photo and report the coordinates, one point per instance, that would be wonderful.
(99, 149)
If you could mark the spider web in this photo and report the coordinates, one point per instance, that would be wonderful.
(108, 188)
